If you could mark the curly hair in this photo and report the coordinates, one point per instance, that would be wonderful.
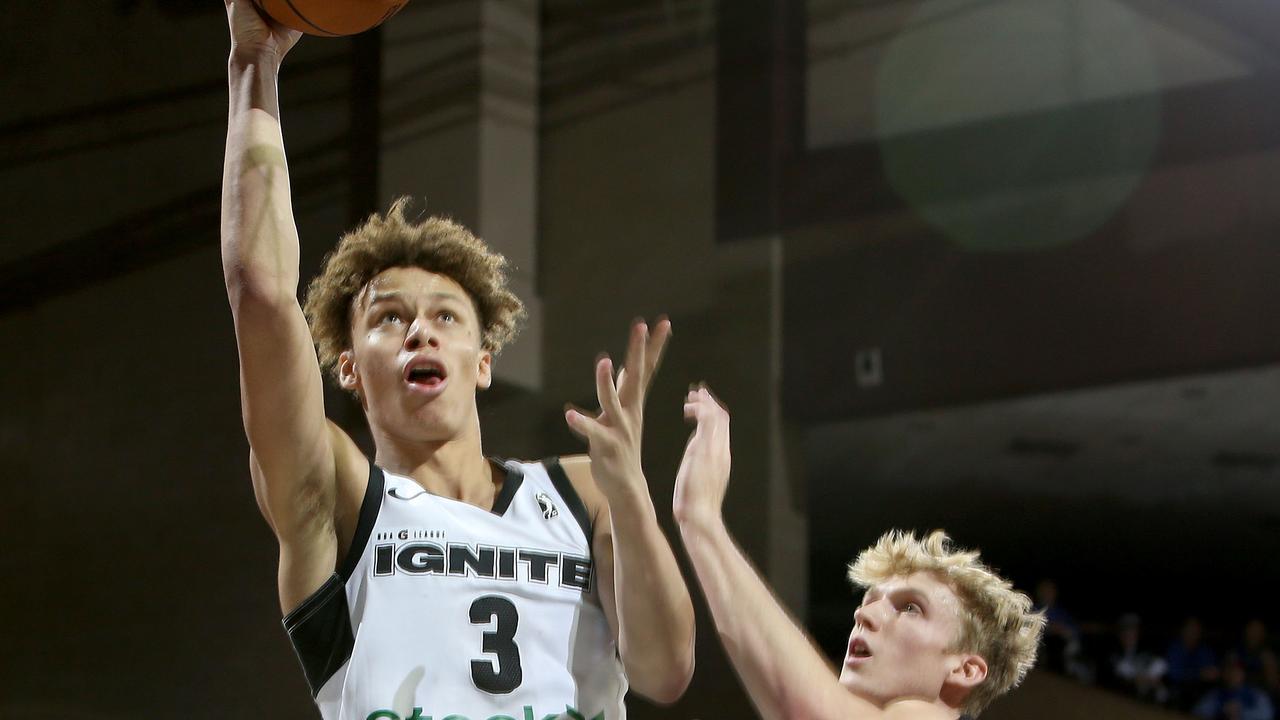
(996, 621)
(435, 244)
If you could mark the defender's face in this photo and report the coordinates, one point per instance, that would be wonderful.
(416, 358)
(902, 633)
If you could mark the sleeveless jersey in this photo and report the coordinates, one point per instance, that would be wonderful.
(444, 610)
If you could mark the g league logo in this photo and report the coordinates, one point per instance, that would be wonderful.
(548, 508)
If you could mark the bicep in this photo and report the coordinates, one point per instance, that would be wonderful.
(282, 402)
(314, 522)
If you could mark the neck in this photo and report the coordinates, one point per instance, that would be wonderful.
(951, 700)
(454, 468)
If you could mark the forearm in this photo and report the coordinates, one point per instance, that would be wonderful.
(783, 673)
(281, 386)
(259, 238)
(655, 612)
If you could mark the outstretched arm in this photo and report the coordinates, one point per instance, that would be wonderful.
(292, 462)
(785, 676)
(641, 587)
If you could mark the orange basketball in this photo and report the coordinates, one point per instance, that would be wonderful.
(330, 18)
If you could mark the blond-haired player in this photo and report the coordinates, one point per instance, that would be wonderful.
(429, 580)
(938, 635)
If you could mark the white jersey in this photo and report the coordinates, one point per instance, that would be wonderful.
(442, 609)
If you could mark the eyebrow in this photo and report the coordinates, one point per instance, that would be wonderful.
(915, 594)
(397, 295)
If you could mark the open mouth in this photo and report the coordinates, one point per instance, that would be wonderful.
(425, 374)
(859, 650)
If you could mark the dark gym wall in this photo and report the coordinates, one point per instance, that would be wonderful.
(141, 577)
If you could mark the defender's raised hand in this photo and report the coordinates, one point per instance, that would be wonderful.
(613, 436)
(704, 471)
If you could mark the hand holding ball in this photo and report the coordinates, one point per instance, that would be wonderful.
(330, 18)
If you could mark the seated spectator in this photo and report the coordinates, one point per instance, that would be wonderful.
(1130, 668)
(1234, 699)
(1258, 659)
(1193, 666)
(1061, 648)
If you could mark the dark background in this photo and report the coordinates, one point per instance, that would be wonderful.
(1005, 268)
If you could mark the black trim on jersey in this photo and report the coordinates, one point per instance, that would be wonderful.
(369, 508)
(320, 628)
(570, 496)
(320, 631)
(515, 478)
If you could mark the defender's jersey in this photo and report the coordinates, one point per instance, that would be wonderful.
(445, 610)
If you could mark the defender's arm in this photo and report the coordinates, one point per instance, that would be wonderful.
(784, 674)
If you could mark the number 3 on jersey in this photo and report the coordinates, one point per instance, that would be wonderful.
(504, 675)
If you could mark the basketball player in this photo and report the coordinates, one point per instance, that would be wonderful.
(937, 636)
(428, 581)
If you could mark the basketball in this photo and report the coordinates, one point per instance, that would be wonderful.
(330, 18)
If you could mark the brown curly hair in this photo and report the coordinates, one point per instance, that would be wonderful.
(435, 244)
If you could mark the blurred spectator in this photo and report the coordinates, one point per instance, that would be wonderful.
(1235, 699)
(1130, 668)
(1061, 650)
(1258, 659)
(1193, 666)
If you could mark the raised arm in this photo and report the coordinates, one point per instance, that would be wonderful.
(641, 587)
(281, 390)
(783, 673)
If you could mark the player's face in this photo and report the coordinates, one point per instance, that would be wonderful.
(901, 640)
(416, 357)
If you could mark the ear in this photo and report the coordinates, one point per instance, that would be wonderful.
(348, 375)
(484, 372)
(969, 671)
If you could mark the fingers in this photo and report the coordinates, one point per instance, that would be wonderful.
(249, 21)
(657, 346)
(606, 392)
(635, 359)
(702, 406)
(702, 394)
(644, 355)
(582, 425)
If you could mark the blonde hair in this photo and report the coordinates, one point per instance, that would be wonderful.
(435, 244)
(996, 621)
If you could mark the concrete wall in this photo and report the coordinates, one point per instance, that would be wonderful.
(627, 230)
(140, 581)
(140, 577)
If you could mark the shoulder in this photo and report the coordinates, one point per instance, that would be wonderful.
(348, 458)
(578, 469)
(351, 477)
